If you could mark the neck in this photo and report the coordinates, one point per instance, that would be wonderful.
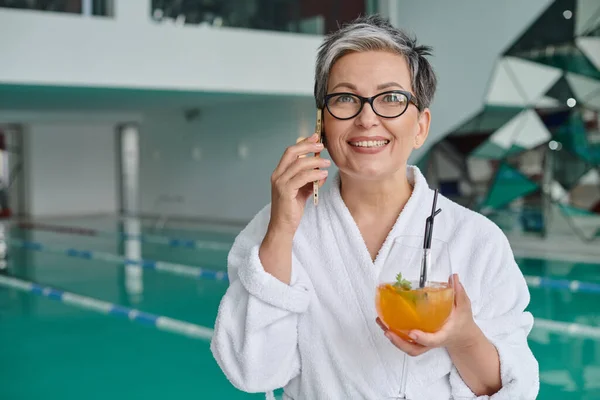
(381, 198)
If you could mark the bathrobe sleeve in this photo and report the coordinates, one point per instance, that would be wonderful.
(499, 312)
(255, 339)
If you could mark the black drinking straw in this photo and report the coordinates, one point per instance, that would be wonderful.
(427, 239)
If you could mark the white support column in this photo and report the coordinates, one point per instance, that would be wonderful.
(129, 189)
(129, 145)
(134, 274)
(86, 8)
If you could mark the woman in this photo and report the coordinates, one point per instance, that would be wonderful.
(300, 313)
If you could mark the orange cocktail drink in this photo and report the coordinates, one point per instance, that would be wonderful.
(404, 307)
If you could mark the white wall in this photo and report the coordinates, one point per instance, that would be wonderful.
(72, 168)
(131, 51)
(220, 185)
(468, 37)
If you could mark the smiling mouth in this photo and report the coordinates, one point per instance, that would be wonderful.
(369, 143)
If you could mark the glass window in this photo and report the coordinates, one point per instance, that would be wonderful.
(302, 16)
(90, 7)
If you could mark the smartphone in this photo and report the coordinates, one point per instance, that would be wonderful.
(319, 131)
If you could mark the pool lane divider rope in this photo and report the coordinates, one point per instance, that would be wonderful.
(567, 329)
(160, 322)
(189, 329)
(152, 239)
(573, 286)
(187, 271)
(562, 284)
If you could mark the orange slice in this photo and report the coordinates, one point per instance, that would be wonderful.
(407, 309)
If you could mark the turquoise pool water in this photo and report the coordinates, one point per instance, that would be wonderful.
(53, 350)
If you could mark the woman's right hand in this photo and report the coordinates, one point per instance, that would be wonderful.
(292, 184)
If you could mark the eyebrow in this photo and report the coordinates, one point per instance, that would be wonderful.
(379, 87)
(345, 84)
(389, 84)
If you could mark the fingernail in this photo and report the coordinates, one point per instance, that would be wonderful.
(324, 172)
(413, 336)
(319, 145)
(326, 161)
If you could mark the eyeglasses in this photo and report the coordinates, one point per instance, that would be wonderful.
(390, 104)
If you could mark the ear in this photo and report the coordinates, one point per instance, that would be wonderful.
(423, 122)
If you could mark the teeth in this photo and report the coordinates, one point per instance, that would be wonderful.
(370, 143)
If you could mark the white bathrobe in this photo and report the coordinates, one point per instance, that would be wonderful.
(317, 337)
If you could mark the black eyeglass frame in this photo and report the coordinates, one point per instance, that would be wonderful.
(411, 98)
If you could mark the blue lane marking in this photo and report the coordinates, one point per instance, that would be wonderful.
(54, 294)
(146, 318)
(589, 287)
(150, 264)
(72, 252)
(46, 291)
(85, 254)
(33, 246)
(37, 289)
(172, 268)
(189, 244)
(210, 274)
(563, 284)
(185, 243)
(120, 311)
(157, 321)
(148, 238)
(554, 283)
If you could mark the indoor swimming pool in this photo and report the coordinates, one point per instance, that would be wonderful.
(67, 314)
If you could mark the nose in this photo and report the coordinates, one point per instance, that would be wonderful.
(367, 117)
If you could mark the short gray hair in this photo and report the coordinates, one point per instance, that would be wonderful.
(375, 33)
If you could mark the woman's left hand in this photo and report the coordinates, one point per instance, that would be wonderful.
(459, 331)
